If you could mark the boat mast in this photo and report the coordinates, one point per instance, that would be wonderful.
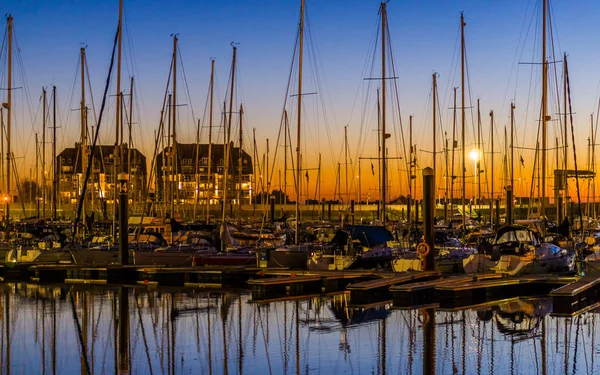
(130, 139)
(210, 126)
(44, 104)
(434, 100)
(452, 177)
(545, 116)
(118, 153)
(462, 88)
(83, 145)
(566, 159)
(512, 148)
(477, 161)
(345, 162)
(174, 182)
(8, 118)
(54, 161)
(240, 161)
(382, 216)
(298, 143)
(285, 147)
(410, 170)
(492, 157)
(226, 149)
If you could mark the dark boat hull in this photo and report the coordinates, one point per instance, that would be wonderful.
(292, 259)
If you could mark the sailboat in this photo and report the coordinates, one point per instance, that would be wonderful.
(516, 249)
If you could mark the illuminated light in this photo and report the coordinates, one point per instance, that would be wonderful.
(474, 155)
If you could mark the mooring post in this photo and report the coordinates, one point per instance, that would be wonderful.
(272, 209)
(123, 216)
(352, 211)
(408, 209)
(509, 205)
(123, 324)
(329, 211)
(428, 215)
(429, 346)
(497, 213)
(417, 210)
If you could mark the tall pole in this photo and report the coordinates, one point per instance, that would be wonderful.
(346, 160)
(8, 118)
(174, 172)
(512, 148)
(478, 160)
(83, 145)
(117, 160)
(565, 132)
(37, 175)
(227, 138)
(462, 88)
(383, 134)
(240, 162)
(545, 116)
(453, 148)
(285, 146)
(55, 185)
(491, 200)
(434, 100)
(410, 170)
(299, 133)
(210, 126)
(44, 104)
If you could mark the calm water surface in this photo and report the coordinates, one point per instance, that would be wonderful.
(70, 329)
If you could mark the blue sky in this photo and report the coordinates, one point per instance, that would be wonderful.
(424, 36)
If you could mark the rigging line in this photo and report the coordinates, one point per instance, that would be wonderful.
(187, 88)
(285, 101)
(90, 159)
(157, 143)
(321, 84)
(451, 75)
(573, 141)
(514, 62)
(374, 38)
(397, 96)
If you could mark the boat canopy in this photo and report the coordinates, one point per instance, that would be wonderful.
(370, 235)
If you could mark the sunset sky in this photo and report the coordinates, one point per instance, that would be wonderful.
(339, 42)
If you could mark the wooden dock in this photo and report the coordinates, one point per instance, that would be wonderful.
(577, 296)
(379, 289)
(425, 293)
(465, 293)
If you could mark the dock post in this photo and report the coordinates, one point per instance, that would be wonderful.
(417, 209)
(272, 209)
(509, 205)
(322, 210)
(123, 215)
(408, 208)
(429, 346)
(497, 213)
(428, 215)
(123, 331)
(352, 211)
(329, 211)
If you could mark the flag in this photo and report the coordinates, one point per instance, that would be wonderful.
(372, 169)
(522, 161)
(306, 176)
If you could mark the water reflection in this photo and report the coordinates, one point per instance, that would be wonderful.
(103, 330)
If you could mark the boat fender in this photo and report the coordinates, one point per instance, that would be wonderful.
(423, 249)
